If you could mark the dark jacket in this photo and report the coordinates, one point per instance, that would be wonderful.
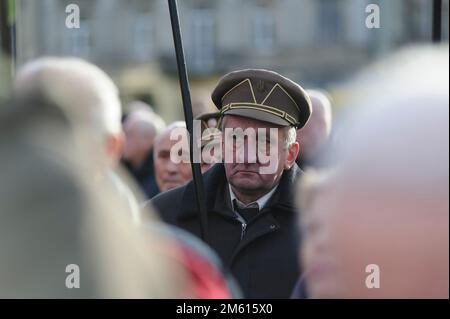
(264, 258)
(145, 176)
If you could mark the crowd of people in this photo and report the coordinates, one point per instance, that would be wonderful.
(354, 206)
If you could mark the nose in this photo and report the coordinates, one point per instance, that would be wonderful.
(246, 153)
(171, 167)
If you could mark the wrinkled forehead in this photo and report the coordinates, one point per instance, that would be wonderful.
(235, 121)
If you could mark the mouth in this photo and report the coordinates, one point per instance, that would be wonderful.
(245, 172)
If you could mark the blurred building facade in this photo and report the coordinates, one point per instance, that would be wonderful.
(316, 42)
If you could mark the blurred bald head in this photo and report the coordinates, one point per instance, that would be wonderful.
(84, 92)
(80, 88)
(139, 106)
(52, 215)
(317, 130)
(387, 202)
(141, 127)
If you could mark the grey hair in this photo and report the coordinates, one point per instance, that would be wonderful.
(81, 89)
(291, 137)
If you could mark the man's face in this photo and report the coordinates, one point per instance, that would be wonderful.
(169, 174)
(317, 253)
(314, 134)
(246, 171)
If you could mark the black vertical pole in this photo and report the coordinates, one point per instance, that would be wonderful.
(7, 31)
(8, 41)
(13, 45)
(187, 107)
(437, 20)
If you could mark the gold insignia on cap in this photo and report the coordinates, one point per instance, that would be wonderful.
(284, 101)
(284, 91)
(238, 85)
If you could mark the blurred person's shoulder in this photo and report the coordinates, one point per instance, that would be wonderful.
(167, 204)
(119, 187)
(210, 277)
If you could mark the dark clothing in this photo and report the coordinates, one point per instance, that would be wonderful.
(304, 164)
(299, 291)
(317, 162)
(262, 256)
(145, 176)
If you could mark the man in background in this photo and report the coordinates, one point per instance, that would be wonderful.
(141, 127)
(169, 174)
(210, 140)
(314, 136)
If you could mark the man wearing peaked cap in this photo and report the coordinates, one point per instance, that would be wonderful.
(251, 211)
(211, 137)
(263, 95)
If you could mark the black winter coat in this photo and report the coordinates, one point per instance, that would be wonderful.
(263, 259)
(145, 176)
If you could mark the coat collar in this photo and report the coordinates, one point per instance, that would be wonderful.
(259, 203)
(218, 197)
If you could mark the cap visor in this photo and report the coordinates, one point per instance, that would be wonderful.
(259, 115)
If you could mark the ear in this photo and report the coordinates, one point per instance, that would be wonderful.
(293, 152)
(114, 147)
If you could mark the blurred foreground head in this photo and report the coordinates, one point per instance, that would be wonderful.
(86, 94)
(52, 217)
(380, 218)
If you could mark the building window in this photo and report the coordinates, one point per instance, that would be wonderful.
(418, 20)
(202, 40)
(77, 42)
(329, 22)
(143, 37)
(263, 29)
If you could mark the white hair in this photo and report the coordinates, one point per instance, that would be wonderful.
(321, 102)
(82, 90)
(291, 136)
